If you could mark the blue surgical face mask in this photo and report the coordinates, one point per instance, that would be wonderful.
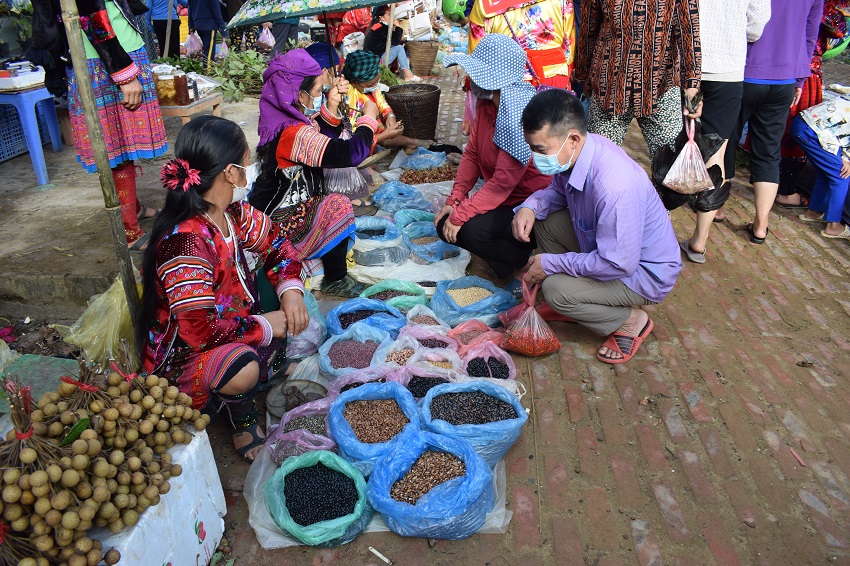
(549, 164)
(317, 105)
(369, 89)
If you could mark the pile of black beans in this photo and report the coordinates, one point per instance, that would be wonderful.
(313, 423)
(470, 407)
(371, 233)
(318, 493)
(354, 385)
(432, 342)
(477, 367)
(419, 386)
(346, 319)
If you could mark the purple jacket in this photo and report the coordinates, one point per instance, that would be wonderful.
(785, 48)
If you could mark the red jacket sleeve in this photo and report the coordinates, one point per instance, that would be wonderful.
(507, 176)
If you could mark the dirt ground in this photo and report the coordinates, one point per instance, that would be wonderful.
(725, 441)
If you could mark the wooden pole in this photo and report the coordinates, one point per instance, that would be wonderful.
(389, 36)
(71, 18)
(165, 53)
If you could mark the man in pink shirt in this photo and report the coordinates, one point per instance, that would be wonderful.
(497, 152)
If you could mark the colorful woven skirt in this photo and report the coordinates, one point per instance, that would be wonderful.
(128, 135)
(317, 224)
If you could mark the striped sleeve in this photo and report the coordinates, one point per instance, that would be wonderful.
(188, 283)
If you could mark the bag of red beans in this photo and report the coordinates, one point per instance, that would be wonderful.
(527, 333)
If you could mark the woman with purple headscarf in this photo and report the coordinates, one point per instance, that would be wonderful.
(299, 136)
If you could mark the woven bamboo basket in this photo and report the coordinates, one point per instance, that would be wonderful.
(422, 55)
(417, 105)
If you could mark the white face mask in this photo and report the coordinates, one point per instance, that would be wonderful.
(251, 174)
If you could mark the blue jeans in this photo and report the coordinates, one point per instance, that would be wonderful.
(829, 190)
(397, 54)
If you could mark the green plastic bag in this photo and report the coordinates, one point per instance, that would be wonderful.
(403, 303)
(325, 534)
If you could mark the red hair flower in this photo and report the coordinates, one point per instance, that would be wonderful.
(177, 175)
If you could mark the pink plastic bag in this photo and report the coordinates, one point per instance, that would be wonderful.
(688, 174)
(193, 44)
(429, 335)
(527, 333)
(359, 377)
(266, 40)
(486, 351)
(472, 333)
(282, 445)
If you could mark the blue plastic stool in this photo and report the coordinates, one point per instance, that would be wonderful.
(25, 103)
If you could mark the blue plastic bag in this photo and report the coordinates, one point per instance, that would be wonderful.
(486, 310)
(452, 510)
(387, 318)
(406, 216)
(421, 158)
(437, 250)
(393, 196)
(387, 249)
(361, 332)
(491, 440)
(362, 455)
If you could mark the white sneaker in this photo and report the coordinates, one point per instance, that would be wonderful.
(414, 79)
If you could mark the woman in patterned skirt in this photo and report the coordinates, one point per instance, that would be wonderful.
(198, 324)
(298, 138)
(126, 104)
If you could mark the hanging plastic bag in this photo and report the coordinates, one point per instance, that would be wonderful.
(452, 510)
(345, 180)
(393, 196)
(266, 40)
(383, 316)
(101, 328)
(411, 294)
(420, 315)
(222, 51)
(363, 455)
(324, 534)
(688, 174)
(486, 309)
(193, 45)
(421, 158)
(441, 361)
(528, 333)
(378, 242)
(472, 333)
(283, 445)
(486, 360)
(354, 379)
(492, 440)
(429, 337)
(334, 365)
(307, 343)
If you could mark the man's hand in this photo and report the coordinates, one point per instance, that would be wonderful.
(534, 273)
(132, 95)
(522, 224)
(450, 232)
(798, 94)
(845, 169)
(292, 305)
(691, 93)
(445, 211)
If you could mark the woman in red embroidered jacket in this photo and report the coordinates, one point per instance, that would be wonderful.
(199, 325)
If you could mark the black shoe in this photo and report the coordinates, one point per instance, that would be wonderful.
(347, 287)
(755, 239)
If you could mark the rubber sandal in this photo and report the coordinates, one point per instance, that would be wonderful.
(718, 220)
(845, 235)
(624, 343)
(755, 239)
(695, 257)
(804, 203)
(805, 218)
(143, 213)
(256, 440)
(139, 245)
(549, 314)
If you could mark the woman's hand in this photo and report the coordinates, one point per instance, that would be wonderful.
(393, 130)
(370, 109)
(338, 90)
(450, 232)
(292, 304)
(132, 95)
(445, 211)
(278, 321)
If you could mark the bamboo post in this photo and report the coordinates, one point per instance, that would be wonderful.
(166, 52)
(71, 18)
(389, 36)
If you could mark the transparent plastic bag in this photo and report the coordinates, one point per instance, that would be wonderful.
(324, 534)
(377, 374)
(364, 455)
(393, 196)
(307, 343)
(528, 333)
(688, 174)
(414, 294)
(402, 343)
(101, 328)
(7, 356)
(282, 445)
(222, 51)
(474, 332)
(450, 363)
(266, 40)
(360, 332)
(486, 310)
(387, 318)
(452, 510)
(429, 333)
(345, 180)
(421, 158)
(372, 247)
(492, 440)
(436, 250)
(424, 275)
(488, 351)
(193, 45)
(423, 311)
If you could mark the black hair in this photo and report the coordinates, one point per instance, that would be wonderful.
(557, 108)
(378, 13)
(209, 144)
(307, 84)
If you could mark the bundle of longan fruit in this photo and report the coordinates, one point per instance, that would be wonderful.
(92, 453)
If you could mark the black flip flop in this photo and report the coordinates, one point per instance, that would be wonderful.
(138, 245)
(804, 203)
(755, 239)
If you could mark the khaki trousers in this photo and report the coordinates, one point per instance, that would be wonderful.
(601, 306)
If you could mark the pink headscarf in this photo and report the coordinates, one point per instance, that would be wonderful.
(279, 99)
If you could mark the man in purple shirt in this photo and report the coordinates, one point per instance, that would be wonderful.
(606, 240)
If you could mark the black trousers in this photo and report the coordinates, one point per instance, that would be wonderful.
(160, 26)
(489, 237)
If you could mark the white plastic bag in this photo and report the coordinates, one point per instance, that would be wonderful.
(193, 44)
(266, 40)
(688, 174)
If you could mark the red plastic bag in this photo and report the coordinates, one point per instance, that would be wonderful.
(688, 174)
(472, 333)
(527, 332)
(193, 44)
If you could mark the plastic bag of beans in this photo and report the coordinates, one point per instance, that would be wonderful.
(472, 333)
(441, 361)
(393, 196)
(402, 295)
(372, 312)
(420, 315)
(401, 350)
(378, 242)
(354, 379)
(428, 337)
(328, 533)
(307, 343)
(283, 443)
(479, 299)
(363, 455)
(491, 440)
(452, 510)
(424, 243)
(487, 360)
(419, 380)
(528, 333)
(358, 347)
